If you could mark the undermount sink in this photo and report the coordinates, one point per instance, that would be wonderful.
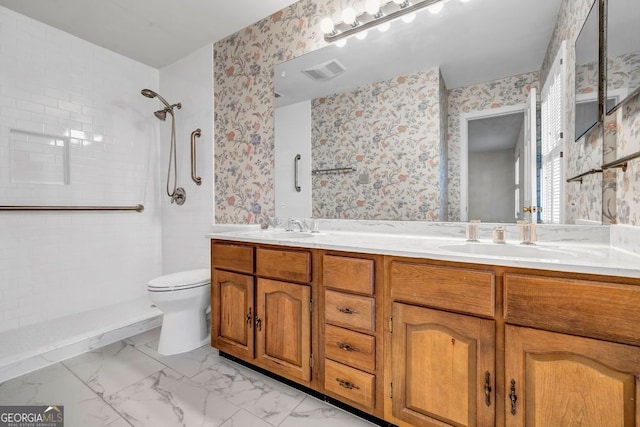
(508, 250)
(288, 234)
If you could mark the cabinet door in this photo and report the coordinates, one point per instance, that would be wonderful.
(232, 313)
(443, 368)
(555, 379)
(283, 328)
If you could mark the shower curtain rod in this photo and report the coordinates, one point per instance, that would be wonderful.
(137, 208)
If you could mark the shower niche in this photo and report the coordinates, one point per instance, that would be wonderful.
(38, 158)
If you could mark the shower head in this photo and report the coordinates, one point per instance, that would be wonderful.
(151, 94)
(148, 93)
(161, 114)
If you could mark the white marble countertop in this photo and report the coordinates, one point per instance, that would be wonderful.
(579, 249)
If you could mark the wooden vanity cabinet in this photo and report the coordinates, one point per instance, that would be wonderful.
(433, 343)
(261, 311)
(232, 299)
(351, 329)
(442, 362)
(555, 379)
(577, 366)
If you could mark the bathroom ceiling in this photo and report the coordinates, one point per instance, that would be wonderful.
(154, 32)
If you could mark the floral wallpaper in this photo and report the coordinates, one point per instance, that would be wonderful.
(390, 132)
(624, 71)
(628, 182)
(479, 97)
(243, 106)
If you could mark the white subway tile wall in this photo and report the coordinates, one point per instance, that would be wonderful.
(189, 81)
(56, 264)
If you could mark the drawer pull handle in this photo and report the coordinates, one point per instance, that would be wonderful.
(346, 347)
(346, 384)
(346, 310)
(513, 397)
(487, 388)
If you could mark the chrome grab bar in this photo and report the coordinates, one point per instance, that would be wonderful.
(137, 208)
(295, 173)
(195, 134)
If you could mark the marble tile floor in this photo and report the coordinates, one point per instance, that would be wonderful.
(129, 384)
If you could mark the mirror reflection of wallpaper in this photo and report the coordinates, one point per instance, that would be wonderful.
(390, 132)
(244, 108)
(623, 71)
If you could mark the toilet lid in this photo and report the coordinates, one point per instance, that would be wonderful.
(181, 280)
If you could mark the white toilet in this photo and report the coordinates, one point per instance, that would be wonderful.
(184, 298)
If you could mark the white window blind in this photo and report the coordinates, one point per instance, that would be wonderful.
(552, 112)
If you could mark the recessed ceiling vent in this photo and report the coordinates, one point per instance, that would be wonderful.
(325, 71)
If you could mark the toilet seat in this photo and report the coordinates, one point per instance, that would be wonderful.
(180, 281)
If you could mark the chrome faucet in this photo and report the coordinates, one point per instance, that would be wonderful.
(295, 222)
(528, 235)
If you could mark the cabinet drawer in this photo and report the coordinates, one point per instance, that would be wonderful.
(350, 383)
(457, 289)
(349, 274)
(351, 348)
(588, 308)
(232, 257)
(350, 311)
(287, 265)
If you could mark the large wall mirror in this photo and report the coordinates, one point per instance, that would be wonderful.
(623, 51)
(430, 120)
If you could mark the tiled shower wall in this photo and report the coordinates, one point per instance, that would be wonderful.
(56, 264)
(189, 81)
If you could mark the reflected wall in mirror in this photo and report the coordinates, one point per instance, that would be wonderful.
(587, 111)
(401, 109)
(623, 51)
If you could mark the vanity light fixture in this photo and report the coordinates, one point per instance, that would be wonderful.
(376, 14)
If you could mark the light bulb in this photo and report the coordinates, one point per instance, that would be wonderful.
(349, 16)
(326, 25)
(409, 18)
(372, 7)
(341, 43)
(384, 27)
(436, 7)
(361, 35)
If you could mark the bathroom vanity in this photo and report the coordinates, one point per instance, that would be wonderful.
(418, 335)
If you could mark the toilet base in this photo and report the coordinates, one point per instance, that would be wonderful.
(176, 337)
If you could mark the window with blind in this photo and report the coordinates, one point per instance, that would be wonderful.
(552, 115)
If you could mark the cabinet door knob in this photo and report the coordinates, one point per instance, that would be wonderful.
(513, 397)
(346, 310)
(249, 317)
(258, 323)
(487, 388)
(346, 384)
(346, 347)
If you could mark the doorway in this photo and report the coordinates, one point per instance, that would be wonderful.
(494, 162)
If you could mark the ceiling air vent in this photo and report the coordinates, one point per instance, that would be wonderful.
(325, 71)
